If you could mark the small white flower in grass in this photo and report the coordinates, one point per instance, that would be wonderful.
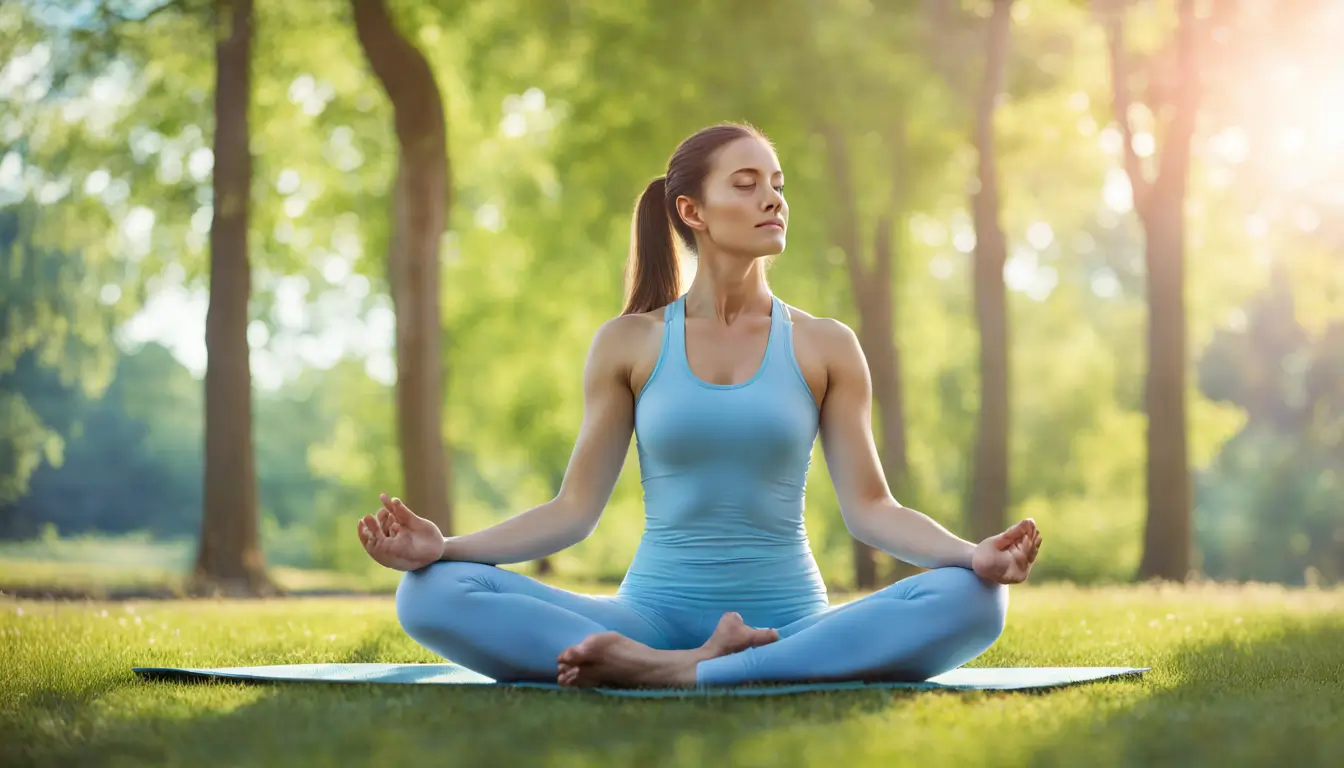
(19, 610)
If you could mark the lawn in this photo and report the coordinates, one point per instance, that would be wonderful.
(136, 566)
(1242, 676)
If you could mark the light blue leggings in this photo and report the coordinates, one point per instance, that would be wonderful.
(511, 627)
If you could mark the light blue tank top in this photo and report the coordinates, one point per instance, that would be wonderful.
(723, 469)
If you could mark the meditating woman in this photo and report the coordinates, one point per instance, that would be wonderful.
(725, 388)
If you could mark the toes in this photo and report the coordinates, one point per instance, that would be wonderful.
(584, 650)
(566, 673)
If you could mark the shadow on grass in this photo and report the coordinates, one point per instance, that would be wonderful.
(404, 724)
(1278, 701)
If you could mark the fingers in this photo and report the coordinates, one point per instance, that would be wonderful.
(1010, 536)
(385, 521)
(1022, 528)
(372, 530)
(1035, 548)
(399, 511)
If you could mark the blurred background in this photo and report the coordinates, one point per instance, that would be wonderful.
(262, 261)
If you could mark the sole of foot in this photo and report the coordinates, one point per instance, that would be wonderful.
(610, 658)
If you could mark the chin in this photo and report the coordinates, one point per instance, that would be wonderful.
(772, 245)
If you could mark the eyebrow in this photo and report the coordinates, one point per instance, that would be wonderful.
(754, 170)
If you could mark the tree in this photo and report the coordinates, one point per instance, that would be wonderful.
(872, 289)
(1159, 200)
(989, 482)
(229, 558)
(420, 201)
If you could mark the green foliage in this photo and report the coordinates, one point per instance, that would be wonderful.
(57, 312)
(558, 115)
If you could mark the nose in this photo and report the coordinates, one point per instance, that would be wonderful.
(773, 200)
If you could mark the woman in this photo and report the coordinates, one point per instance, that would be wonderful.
(726, 389)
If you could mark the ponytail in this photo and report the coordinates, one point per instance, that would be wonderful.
(653, 274)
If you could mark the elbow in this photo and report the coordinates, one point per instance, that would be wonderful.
(859, 523)
(578, 517)
(862, 517)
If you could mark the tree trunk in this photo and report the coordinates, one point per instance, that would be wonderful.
(1167, 534)
(872, 291)
(1160, 206)
(420, 203)
(229, 559)
(989, 479)
(884, 365)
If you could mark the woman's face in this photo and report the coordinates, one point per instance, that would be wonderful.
(741, 207)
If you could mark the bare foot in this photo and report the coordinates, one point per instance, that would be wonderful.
(733, 635)
(613, 658)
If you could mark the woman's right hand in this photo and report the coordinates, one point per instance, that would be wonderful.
(398, 538)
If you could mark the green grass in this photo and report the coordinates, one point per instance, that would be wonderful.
(1242, 676)
(115, 581)
(137, 565)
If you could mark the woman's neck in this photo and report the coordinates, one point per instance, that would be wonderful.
(726, 288)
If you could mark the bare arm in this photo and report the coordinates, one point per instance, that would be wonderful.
(870, 512)
(594, 466)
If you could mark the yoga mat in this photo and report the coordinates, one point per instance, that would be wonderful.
(965, 678)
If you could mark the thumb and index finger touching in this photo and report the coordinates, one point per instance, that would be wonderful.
(1025, 527)
(398, 510)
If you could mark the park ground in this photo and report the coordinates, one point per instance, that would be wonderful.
(1242, 675)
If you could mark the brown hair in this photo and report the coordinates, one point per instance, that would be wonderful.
(653, 274)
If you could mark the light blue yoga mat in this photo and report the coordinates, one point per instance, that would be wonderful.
(965, 678)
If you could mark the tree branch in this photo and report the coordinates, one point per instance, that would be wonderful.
(168, 6)
(106, 17)
(1120, 103)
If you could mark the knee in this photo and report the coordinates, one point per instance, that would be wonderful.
(982, 605)
(425, 597)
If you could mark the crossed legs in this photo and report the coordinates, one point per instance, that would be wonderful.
(511, 627)
(914, 629)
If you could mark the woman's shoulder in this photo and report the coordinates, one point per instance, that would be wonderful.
(626, 337)
(824, 330)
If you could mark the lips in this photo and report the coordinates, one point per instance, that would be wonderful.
(776, 224)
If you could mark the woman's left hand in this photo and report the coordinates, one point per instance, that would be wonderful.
(1006, 558)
